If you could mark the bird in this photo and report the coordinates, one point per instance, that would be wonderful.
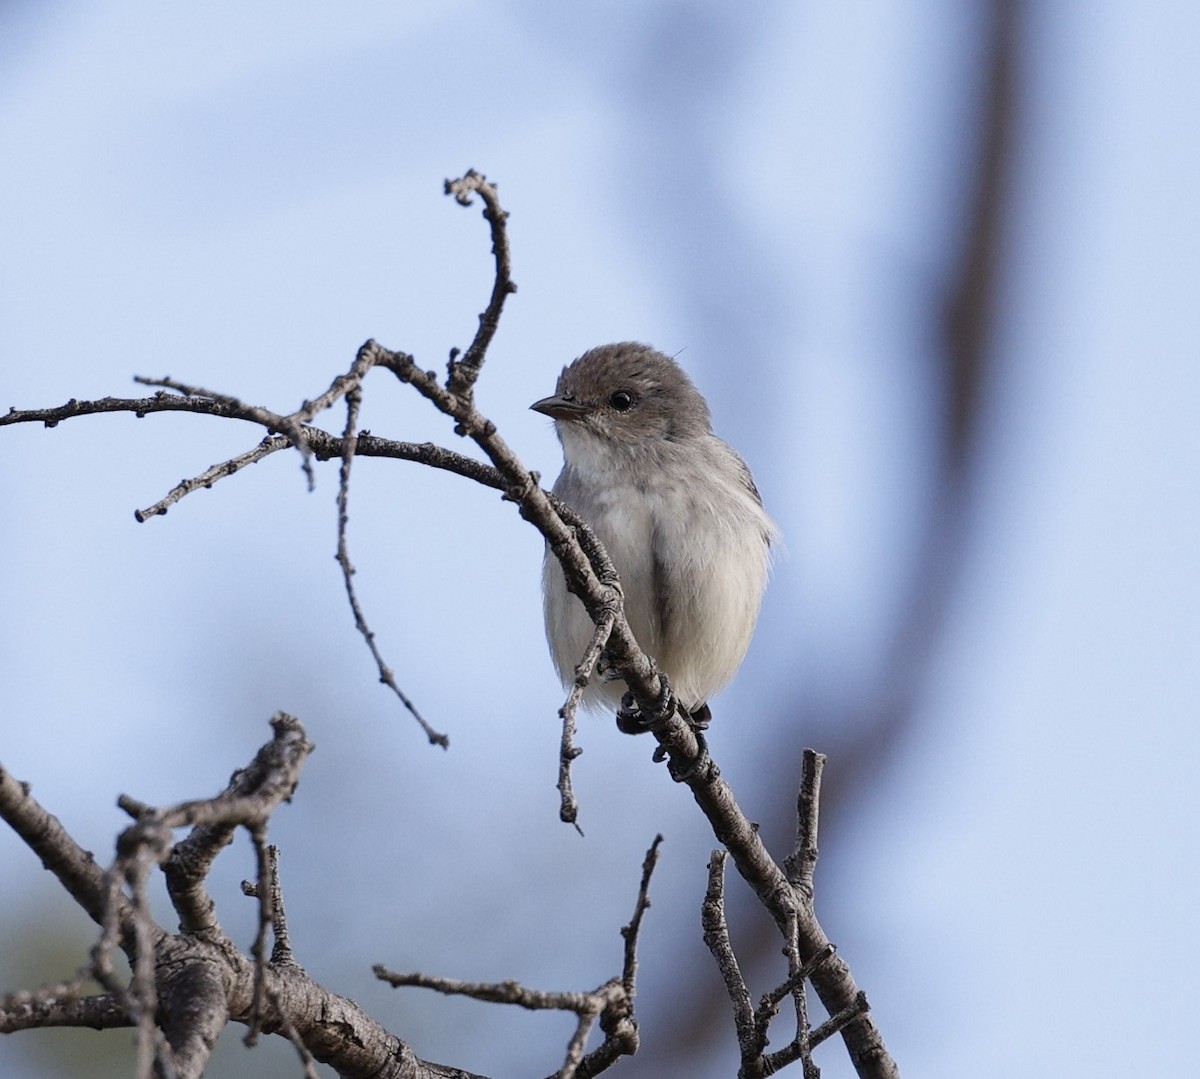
(679, 514)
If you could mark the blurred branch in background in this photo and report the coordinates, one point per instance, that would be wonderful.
(867, 737)
(964, 363)
(864, 738)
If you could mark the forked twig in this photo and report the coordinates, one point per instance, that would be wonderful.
(386, 674)
(610, 1004)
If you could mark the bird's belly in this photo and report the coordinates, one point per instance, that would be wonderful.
(692, 580)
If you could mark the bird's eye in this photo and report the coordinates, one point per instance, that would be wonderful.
(622, 400)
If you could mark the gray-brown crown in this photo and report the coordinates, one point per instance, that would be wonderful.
(629, 391)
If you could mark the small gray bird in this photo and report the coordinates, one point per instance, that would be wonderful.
(676, 509)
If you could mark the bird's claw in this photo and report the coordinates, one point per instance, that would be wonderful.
(608, 672)
(702, 758)
(632, 720)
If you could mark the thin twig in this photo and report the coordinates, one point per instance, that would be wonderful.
(629, 933)
(464, 372)
(281, 951)
(568, 809)
(799, 867)
(269, 445)
(835, 1023)
(610, 1004)
(258, 950)
(290, 425)
(386, 674)
(716, 937)
(152, 1049)
(589, 1007)
(802, 862)
(141, 406)
(768, 1007)
(802, 1043)
(801, 1048)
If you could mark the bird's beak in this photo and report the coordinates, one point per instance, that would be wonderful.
(559, 408)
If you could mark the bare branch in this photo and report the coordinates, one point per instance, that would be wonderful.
(464, 372)
(832, 980)
(199, 980)
(292, 425)
(263, 993)
(195, 991)
(294, 1036)
(611, 1003)
(312, 442)
(269, 445)
(269, 892)
(258, 950)
(142, 997)
(31, 1011)
(321, 444)
(607, 999)
(75, 868)
(716, 936)
(252, 796)
(799, 867)
(509, 992)
(159, 402)
(281, 952)
(801, 863)
(568, 810)
(768, 1007)
(631, 931)
(349, 444)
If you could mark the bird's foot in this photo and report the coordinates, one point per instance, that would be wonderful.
(698, 719)
(632, 720)
(608, 672)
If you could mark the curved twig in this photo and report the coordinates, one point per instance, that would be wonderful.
(464, 372)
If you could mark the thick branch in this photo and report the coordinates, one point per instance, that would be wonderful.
(33, 1011)
(251, 797)
(199, 981)
(75, 868)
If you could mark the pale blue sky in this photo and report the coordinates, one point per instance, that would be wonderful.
(238, 195)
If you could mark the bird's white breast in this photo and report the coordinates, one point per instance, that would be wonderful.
(689, 541)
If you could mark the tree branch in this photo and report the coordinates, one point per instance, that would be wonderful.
(198, 981)
(201, 965)
(611, 1004)
(464, 372)
(75, 868)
